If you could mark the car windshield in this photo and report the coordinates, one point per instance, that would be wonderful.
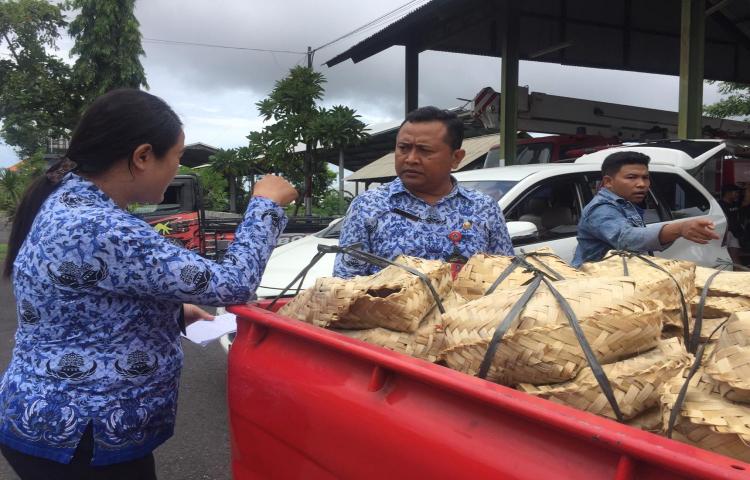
(494, 188)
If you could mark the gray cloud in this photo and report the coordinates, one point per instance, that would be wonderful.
(215, 90)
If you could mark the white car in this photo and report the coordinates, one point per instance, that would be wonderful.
(542, 206)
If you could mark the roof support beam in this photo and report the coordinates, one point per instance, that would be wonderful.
(509, 81)
(411, 92)
(693, 36)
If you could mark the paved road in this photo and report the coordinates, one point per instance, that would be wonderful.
(200, 448)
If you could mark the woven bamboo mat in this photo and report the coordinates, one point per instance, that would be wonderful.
(729, 365)
(541, 347)
(706, 419)
(636, 382)
(392, 298)
(481, 271)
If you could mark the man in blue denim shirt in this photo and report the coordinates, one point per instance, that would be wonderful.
(614, 221)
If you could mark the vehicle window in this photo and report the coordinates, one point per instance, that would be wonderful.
(494, 188)
(553, 206)
(533, 153)
(650, 205)
(682, 199)
(172, 203)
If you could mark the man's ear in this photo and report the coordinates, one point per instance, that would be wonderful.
(141, 156)
(607, 181)
(458, 155)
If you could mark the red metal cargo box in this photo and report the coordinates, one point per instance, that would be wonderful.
(309, 403)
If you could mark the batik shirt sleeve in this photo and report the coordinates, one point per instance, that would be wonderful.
(131, 259)
(354, 231)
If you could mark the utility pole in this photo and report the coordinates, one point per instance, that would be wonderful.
(308, 156)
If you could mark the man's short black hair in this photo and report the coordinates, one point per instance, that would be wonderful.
(453, 125)
(613, 163)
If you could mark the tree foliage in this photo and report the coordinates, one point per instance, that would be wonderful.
(38, 97)
(13, 183)
(108, 45)
(298, 120)
(735, 104)
(214, 187)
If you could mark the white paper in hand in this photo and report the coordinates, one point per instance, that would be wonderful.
(204, 332)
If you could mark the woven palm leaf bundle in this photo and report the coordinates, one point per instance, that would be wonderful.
(729, 365)
(636, 382)
(540, 347)
(392, 298)
(720, 307)
(725, 284)
(706, 419)
(481, 271)
(663, 288)
(426, 342)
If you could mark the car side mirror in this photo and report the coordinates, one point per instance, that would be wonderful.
(519, 230)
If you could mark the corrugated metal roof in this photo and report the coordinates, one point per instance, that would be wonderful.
(384, 167)
(633, 35)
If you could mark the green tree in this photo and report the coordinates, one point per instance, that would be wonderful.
(38, 98)
(232, 167)
(214, 187)
(14, 182)
(108, 45)
(736, 104)
(297, 120)
(337, 128)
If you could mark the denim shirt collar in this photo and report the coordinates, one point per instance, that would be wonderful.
(397, 187)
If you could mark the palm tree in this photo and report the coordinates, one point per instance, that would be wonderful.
(338, 128)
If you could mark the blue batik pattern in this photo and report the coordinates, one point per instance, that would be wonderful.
(99, 295)
(389, 221)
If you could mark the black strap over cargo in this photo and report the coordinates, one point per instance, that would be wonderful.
(624, 254)
(520, 260)
(695, 340)
(353, 251)
(515, 311)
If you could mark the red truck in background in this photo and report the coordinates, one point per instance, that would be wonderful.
(551, 149)
(182, 218)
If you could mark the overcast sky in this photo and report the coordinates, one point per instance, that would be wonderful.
(214, 90)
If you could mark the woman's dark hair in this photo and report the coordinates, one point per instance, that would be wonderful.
(453, 125)
(110, 130)
(614, 162)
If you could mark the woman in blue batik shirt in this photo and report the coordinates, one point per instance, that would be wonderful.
(91, 389)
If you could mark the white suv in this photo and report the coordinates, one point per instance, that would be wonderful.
(542, 206)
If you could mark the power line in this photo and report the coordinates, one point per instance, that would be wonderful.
(211, 45)
(386, 17)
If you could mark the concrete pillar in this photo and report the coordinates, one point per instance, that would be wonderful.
(692, 43)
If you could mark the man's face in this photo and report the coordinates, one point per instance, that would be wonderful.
(631, 182)
(423, 158)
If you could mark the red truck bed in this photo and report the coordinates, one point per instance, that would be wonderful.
(305, 402)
